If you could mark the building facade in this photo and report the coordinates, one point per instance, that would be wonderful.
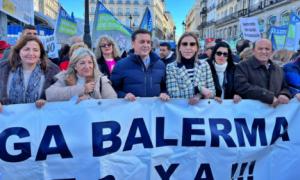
(221, 19)
(47, 7)
(130, 13)
(192, 20)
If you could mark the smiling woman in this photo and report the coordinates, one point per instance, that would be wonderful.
(82, 78)
(24, 78)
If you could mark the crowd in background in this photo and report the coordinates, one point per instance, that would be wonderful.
(254, 71)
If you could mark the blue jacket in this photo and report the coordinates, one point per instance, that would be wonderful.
(292, 76)
(131, 76)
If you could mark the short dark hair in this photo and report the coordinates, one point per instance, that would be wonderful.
(166, 45)
(140, 31)
(224, 45)
(242, 44)
(29, 26)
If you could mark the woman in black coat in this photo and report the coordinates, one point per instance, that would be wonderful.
(107, 53)
(222, 68)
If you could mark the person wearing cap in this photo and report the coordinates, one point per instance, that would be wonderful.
(3, 45)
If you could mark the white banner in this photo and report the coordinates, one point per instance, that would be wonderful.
(50, 45)
(250, 28)
(150, 139)
(20, 9)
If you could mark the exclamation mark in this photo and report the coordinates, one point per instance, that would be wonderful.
(244, 165)
(233, 170)
(251, 170)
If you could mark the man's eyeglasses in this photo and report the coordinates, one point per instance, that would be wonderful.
(106, 45)
(192, 44)
(219, 53)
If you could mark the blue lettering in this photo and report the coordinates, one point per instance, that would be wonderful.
(216, 133)
(204, 169)
(61, 145)
(165, 175)
(131, 140)
(280, 122)
(99, 138)
(187, 132)
(24, 146)
(258, 125)
(160, 131)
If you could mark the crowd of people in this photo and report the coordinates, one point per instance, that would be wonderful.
(28, 76)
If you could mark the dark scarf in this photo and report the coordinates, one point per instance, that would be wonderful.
(188, 63)
(17, 92)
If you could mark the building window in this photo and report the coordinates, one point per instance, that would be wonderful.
(285, 18)
(120, 12)
(127, 11)
(261, 24)
(146, 2)
(136, 12)
(272, 20)
(112, 10)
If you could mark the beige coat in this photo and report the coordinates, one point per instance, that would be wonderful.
(61, 92)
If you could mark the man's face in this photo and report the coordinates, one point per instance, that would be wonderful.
(31, 32)
(163, 51)
(263, 50)
(142, 45)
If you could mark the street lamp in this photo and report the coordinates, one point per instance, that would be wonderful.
(87, 36)
(130, 18)
(183, 25)
(174, 32)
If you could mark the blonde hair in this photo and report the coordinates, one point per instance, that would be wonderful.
(76, 46)
(282, 56)
(246, 54)
(116, 50)
(78, 54)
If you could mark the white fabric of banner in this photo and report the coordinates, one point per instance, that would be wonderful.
(158, 140)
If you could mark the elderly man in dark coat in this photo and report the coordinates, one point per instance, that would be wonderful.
(259, 78)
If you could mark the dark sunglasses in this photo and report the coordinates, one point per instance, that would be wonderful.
(219, 53)
(192, 44)
(106, 45)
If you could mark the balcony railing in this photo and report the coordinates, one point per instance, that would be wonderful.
(228, 18)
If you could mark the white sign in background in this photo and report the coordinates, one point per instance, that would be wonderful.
(22, 10)
(250, 28)
(80, 125)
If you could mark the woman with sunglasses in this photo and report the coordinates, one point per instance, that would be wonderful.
(222, 68)
(188, 77)
(107, 54)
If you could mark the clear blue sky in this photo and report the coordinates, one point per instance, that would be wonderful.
(178, 9)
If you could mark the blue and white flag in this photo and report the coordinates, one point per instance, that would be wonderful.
(278, 36)
(147, 22)
(66, 26)
(290, 42)
(105, 23)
